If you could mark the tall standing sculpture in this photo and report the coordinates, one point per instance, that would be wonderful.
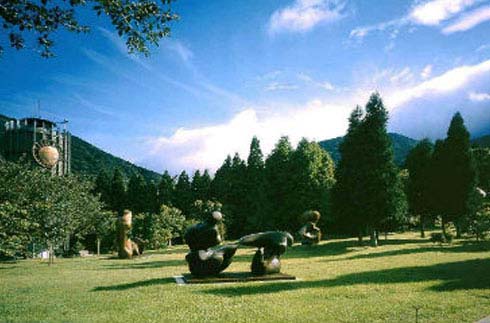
(204, 260)
(310, 233)
(126, 248)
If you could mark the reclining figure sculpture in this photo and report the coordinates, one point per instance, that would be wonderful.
(208, 258)
(271, 245)
(202, 259)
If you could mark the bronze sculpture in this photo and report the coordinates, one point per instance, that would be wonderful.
(204, 260)
(310, 233)
(208, 258)
(126, 248)
(271, 245)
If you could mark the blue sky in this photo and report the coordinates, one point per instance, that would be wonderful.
(234, 69)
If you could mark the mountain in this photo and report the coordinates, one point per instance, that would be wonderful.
(401, 147)
(87, 159)
(483, 141)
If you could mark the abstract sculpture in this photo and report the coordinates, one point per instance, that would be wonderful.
(126, 248)
(271, 245)
(310, 233)
(202, 259)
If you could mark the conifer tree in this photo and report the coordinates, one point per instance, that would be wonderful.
(183, 194)
(103, 187)
(166, 190)
(257, 201)
(237, 209)
(137, 194)
(383, 198)
(312, 175)
(348, 189)
(419, 195)
(458, 173)
(118, 192)
(279, 184)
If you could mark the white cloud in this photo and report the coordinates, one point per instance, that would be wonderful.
(426, 13)
(478, 97)
(405, 75)
(304, 15)
(450, 81)
(326, 85)
(469, 20)
(276, 86)
(207, 147)
(426, 72)
(432, 13)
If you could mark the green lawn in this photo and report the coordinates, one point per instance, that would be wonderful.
(337, 282)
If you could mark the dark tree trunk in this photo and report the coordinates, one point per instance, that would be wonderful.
(98, 247)
(359, 237)
(422, 229)
(374, 237)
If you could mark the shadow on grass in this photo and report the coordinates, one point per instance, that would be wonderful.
(147, 265)
(462, 247)
(469, 274)
(143, 283)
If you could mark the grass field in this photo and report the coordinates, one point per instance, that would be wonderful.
(337, 282)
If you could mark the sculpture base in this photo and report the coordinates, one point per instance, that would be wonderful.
(236, 277)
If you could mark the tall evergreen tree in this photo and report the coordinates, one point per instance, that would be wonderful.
(348, 189)
(118, 192)
(103, 187)
(257, 201)
(458, 172)
(383, 198)
(237, 209)
(279, 184)
(221, 183)
(137, 194)
(201, 185)
(152, 200)
(419, 193)
(166, 190)
(312, 175)
(183, 194)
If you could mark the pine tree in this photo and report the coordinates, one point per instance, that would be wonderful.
(312, 176)
(348, 189)
(458, 173)
(137, 194)
(221, 183)
(237, 208)
(183, 194)
(103, 187)
(279, 184)
(257, 201)
(201, 185)
(419, 195)
(383, 198)
(118, 196)
(166, 190)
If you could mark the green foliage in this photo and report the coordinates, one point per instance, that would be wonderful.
(454, 174)
(118, 197)
(166, 189)
(156, 230)
(256, 199)
(35, 206)
(183, 193)
(142, 23)
(279, 186)
(401, 147)
(137, 194)
(419, 190)
(482, 161)
(369, 193)
(480, 222)
(201, 185)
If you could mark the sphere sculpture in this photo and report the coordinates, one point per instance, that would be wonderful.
(271, 245)
(126, 248)
(203, 260)
(310, 233)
